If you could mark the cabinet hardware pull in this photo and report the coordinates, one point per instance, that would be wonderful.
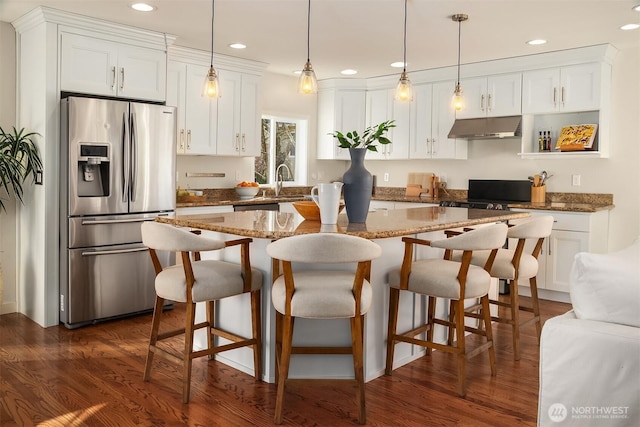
(189, 139)
(555, 96)
(489, 103)
(562, 95)
(181, 139)
(237, 141)
(244, 143)
(113, 78)
(482, 103)
(122, 80)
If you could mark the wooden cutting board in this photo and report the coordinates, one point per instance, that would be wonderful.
(420, 183)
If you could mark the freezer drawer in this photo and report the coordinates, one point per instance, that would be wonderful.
(108, 229)
(107, 282)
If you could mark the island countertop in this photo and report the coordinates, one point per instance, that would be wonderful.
(379, 224)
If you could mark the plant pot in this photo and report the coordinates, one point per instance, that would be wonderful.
(358, 184)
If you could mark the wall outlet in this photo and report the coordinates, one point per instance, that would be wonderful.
(386, 177)
(575, 180)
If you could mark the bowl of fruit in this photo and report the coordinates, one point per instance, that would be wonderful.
(247, 190)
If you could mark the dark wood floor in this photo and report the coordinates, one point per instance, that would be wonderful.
(92, 376)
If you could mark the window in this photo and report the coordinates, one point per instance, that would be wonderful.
(283, 141)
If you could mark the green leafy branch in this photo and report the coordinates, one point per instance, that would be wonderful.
(369, 137)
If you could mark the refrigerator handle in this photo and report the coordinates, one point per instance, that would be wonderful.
(134, 157)
(114, 252)
(125, 156)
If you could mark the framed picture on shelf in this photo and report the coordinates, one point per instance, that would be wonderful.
(577, 137)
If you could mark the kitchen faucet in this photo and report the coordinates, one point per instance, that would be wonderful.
(280, 177)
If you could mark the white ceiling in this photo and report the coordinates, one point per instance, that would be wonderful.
(366, 35)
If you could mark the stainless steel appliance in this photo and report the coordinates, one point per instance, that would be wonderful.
(493, 194)
(118, 170)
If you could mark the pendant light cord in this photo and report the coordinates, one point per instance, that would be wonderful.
(213, 11)
(309, 32)
(404, 59)
(459, 32)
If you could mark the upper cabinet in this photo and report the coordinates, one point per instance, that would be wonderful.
(196, 114)
(432, 117)
(238, 114)
(380, 107)
(339, 109)
(101, 67)
(226, 126)
(493, 96)
(565, 89)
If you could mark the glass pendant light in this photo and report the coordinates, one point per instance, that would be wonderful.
(211, 85)
(404, 90)
(458, 101)
(307, 83)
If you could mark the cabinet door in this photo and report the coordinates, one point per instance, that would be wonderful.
(420, 122)
(562, 248)
(580, 87)
(350, 115)
(474, 92)
(443, 116)
(176, 91)
(141, 73)
(540, 91)
(379, 108)
(88, 65)
(228, 135)
(250, 115)
(504, 95)
(200, 118)
(400, 135)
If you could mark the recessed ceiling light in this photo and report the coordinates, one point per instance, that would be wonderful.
(142, 7)
(398, 64)
(348, 72)
(237, 46)
(536, 42)
(630, 27)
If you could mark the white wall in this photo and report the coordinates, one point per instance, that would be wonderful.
(8, 298)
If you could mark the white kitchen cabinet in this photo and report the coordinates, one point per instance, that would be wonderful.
(564, 89)
(431, 120)
(342, 110)
(196, 114)
(100, 67)
(572, 232)
(492, 96)
(380, 107)
(238, 132)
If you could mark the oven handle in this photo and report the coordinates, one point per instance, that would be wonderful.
(117, 251)
(114, 221)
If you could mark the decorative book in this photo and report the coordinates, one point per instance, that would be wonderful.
(577, 138)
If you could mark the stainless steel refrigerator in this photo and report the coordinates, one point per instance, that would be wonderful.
(117, 171)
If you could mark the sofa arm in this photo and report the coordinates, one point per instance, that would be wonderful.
(589, 373)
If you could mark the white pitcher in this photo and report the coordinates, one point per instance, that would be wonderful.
(327, 197)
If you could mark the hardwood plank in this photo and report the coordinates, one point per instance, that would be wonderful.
(92, 376)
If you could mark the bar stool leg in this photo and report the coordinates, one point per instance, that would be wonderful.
(257, 333)
(533, 284)
(285, 358)
(515, 318)
(358, 368)
(394, 297)
(461, 348)
(489, 333)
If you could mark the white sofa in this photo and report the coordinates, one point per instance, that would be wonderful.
(590, 356)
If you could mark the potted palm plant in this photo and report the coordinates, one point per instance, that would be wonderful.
(19, 158)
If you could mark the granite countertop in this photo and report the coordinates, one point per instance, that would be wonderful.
(380, 224)
(568, 202)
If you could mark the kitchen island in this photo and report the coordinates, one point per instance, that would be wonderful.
(386, 228)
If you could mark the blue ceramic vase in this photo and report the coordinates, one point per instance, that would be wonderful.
(358, 184)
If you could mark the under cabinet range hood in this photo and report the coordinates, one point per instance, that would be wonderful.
(486, 128)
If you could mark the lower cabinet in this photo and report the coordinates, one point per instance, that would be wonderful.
(572, 232)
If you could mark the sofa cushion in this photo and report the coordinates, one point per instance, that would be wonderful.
(606, 287)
